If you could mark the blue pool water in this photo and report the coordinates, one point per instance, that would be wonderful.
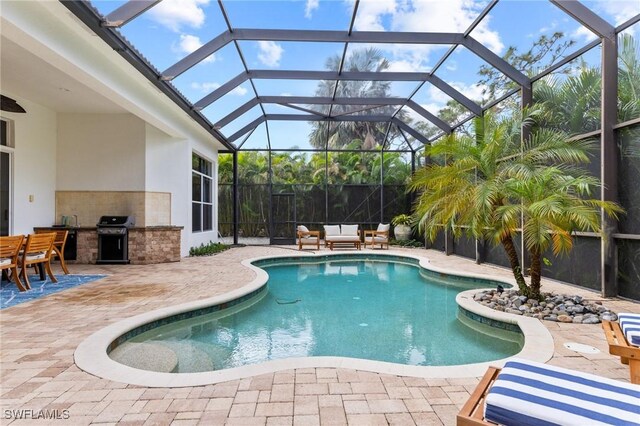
(378, 310)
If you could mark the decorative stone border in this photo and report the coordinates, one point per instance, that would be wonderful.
(91, 355)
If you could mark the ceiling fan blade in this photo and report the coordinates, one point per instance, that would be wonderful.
(10, 105)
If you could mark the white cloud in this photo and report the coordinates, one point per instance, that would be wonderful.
(407, 65)
(205, 87)
(208, 87)
(174, 14)
(619, 10)
(583, 33)
(270, 53)
(189, 43)
(310, 7)
(445, 16)
(371, 12)
(238, 91)
(471, 91)
(423, 16)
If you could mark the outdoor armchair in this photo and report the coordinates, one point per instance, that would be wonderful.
(9, 251)
(306, 237)
(378, 236)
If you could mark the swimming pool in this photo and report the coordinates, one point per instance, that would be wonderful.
(377, 308)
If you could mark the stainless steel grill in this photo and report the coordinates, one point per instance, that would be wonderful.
(113, 238)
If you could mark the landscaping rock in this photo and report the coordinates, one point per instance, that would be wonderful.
(564, 318)
(557, 308)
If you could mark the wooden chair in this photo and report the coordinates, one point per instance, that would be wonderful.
(306, 237)
(9, 257)
(378, 236)
(58, 246)
(619, 346)
(37, 250)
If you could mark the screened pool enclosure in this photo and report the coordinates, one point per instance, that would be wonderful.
(325, 115)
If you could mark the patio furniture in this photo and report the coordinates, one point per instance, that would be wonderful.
(306, 237)
(530, 393)
(37, 251)
(58, 246)
(378, 236)
(348, 235)
(623, 338)
(9, 252)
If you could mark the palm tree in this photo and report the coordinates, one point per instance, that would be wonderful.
(628, 78)
(338, 135)
(484, 185)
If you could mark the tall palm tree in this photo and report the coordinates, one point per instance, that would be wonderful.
(484, 185)
(338, 135)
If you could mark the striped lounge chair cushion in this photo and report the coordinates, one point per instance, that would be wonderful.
(530, 393)
(630, 325)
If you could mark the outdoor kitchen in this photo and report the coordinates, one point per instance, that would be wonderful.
(118, 227)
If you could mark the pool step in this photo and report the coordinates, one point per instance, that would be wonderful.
(194, 356)
(149, 356)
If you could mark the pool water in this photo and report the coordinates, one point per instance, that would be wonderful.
(377, 310)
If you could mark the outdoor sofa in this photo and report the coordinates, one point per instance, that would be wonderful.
(341, 235)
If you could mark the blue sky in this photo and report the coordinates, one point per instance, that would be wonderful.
(174, 28)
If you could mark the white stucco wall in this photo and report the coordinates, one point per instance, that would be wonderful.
(34, 171)
(168, 163)
(100, 152)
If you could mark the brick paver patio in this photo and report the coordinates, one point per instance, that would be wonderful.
(38, 340)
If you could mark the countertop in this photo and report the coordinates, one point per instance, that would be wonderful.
(93, 228)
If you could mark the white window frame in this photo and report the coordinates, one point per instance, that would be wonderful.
(203, 203)
(9, 148)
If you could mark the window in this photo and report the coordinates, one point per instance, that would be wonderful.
(6, 175)
(202, 194)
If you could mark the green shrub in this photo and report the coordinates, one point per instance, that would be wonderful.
(208, 250)
(407, 243)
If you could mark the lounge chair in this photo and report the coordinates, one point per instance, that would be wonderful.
(530, 393)
(306, 237)
(624, 341)
(341, 235)
(378, 236)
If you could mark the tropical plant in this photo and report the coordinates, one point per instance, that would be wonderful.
(402, 219)
(485, 185)
(208, 249)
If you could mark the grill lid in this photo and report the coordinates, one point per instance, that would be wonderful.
(117, 221)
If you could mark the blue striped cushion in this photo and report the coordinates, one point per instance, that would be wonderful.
(630, 325)
(530, 393)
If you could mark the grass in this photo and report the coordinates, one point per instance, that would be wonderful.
(208, 249)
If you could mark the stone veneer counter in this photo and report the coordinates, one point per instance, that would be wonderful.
(147, 245)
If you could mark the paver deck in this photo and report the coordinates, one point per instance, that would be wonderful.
(38, 338)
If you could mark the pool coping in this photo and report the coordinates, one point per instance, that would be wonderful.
(91, 355)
